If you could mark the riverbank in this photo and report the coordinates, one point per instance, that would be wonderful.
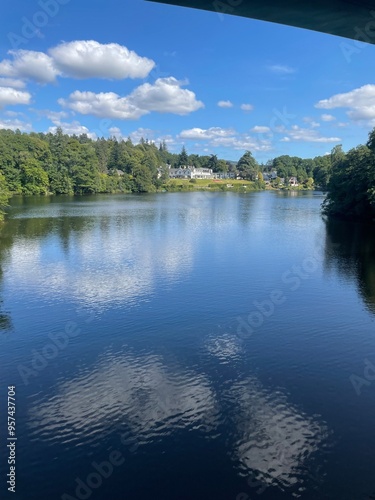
(232, 185)
(185, 185)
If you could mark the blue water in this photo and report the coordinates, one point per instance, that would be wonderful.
(187, 346)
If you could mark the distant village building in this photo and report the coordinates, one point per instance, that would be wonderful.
(269, 176)
(193, 173)
(293, 181)
(224, 175)
(190, 173)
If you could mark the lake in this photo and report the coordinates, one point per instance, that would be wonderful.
(187, 346)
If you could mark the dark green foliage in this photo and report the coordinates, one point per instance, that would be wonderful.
(248, 167)
(60, 164)
(213, 163)
(4, 195)
(57, 163)
(33, 178)
(183, 158)
(38, 163)
(351, 189)
(318, 169)
(142, 180)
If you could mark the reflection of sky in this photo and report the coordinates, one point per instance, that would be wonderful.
(151, 399)
(115, 251)
(271, 438)
(138, 392)
(101, 269)
(224, 347)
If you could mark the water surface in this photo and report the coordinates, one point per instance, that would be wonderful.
(177, 359)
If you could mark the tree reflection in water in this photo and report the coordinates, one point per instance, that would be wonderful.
(350, 248)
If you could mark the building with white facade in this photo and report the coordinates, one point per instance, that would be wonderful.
(194, 173)
(190, 173)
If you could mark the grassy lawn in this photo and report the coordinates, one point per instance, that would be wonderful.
(209, 182)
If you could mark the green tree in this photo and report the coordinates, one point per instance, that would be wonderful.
(309, 183)
(83, 167)
(259, 182)
(248, 167)
(213, 163)
(352, 184)
(183, 158)
(371, 141)
(4, 196)
(34, 178)
(8, 163)
(222, 166)
(103, 150)
(116, 160)
(142, 180)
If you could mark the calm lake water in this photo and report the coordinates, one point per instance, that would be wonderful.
(188, 346)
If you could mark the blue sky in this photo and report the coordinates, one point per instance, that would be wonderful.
(216, 83)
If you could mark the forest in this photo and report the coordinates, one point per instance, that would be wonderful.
(351, 187)
(56, 163)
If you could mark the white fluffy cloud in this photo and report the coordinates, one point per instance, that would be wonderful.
(91, 59)
(311, 122)
(225, 104)
(72, 128)
(102, 105)
(216, 137)
(54, 116)
(204, 134)
(247, 107)
(15, 124)
(299, 134)
(327, 118)
(152, 135)
(259, 129)
(12, 82)
(78, 59)
(164, 96)
(29, 65)
(115, 132)
(241, 142)
(361, 103)
(11, 97)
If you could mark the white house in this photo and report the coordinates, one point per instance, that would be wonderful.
(195, 173)
(190, 173)
(224, 175)
(293, 181)
(202, 173)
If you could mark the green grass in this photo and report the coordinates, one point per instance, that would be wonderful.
(183, 185)
(209, 182)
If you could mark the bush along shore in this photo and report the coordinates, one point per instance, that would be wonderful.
(56, 163)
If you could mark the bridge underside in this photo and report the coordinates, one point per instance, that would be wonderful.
(349, 19)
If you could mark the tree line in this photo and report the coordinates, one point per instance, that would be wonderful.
(351, 189)
(56, 163)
